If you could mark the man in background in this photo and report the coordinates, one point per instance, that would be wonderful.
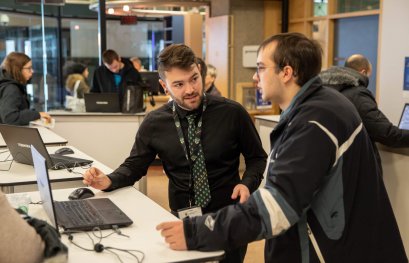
(352, 81)
(209, 81)
(115, 75)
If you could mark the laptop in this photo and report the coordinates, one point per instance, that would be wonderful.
(19, 139)
(102, 102)
(82, 215)
(404, 118)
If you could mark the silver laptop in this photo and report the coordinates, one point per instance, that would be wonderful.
(102, 102)
(82, 215)
(404, 118)
(19, 139)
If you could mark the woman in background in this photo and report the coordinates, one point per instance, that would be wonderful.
(76, 75)
(15, 72)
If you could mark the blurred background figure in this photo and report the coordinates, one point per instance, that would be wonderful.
(137, 63)
(209, 81)
(76, 74)
(15, 73)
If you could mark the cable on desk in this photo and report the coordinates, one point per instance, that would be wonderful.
(99, 247)
(71, 169)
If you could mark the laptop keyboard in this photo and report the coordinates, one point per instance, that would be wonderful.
(81, 213)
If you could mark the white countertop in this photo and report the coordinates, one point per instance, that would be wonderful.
(273, 118)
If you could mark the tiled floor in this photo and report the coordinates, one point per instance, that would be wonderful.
(158, 191)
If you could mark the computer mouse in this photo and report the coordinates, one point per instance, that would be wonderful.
(81, 193)
(64, 151)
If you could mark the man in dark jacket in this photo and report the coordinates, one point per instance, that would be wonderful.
(115, 75)
(324, 199)
(352, 81)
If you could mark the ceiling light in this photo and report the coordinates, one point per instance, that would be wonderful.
(125, 8)
(111, 11)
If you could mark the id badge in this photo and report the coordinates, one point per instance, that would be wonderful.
(190, 212)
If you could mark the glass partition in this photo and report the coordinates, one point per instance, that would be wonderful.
(79, 42)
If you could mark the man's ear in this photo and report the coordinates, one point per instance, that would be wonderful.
(163, 84)
(288, 74)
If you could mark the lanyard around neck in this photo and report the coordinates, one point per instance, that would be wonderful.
(198, 132)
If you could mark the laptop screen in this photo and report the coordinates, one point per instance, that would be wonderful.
(404, 119)
(102, 102)
(43, 183)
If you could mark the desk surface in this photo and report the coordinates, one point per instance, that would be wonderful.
(69, 113)
(145, 214)
(273, 118)
(48, 136)
(23, 174)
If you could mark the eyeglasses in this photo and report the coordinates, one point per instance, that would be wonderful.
(260, 69)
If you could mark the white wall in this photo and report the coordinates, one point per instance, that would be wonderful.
(394, 39)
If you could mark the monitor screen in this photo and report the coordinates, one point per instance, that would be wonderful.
(404, 119)
(151, 80)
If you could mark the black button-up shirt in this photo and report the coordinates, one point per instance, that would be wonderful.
(227, 131)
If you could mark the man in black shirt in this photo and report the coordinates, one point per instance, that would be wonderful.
(115, 75)
(223, 130)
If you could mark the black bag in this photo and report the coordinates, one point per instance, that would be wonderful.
(133, 98)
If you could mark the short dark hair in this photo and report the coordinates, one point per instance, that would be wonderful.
(358, 62)
(297, 51)
(13, 65)
(109, 55)
(175, 55)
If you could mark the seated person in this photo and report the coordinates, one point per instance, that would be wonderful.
(15, 73)
(20, 241)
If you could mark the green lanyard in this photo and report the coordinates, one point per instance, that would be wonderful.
(198, 132)
(194, 148)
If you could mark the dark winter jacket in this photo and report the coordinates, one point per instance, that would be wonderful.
(321, 171)
(104, 81)
(353, 85)
(14, 104)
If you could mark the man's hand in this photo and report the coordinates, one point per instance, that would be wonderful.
(242, 191)
(97, 179)
(174, 234)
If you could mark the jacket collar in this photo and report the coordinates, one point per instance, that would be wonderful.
(342, 78)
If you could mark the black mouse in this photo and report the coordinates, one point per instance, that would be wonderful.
(81, 193)
(64, 151)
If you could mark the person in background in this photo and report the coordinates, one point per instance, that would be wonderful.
(209, 81)
(352, 81)
(137, 63)
(199, 139)
(19, 241)
(115, 75)
(324, 194)
(76, 74)
(15, 73)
